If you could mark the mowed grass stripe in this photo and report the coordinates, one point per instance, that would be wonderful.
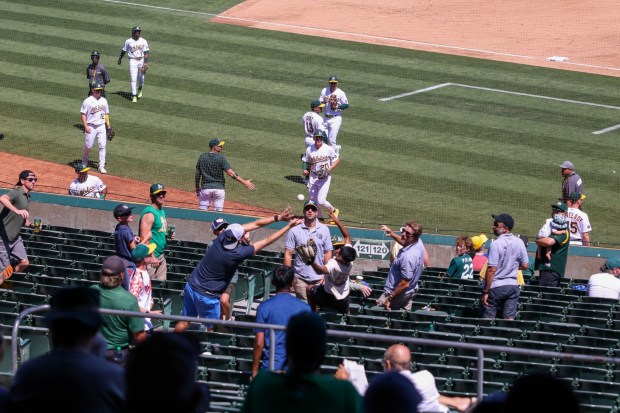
(450, 154)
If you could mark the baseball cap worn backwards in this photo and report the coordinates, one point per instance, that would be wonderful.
(75, 303)
(506, 219)
(216, 142)
(560, 206)
(218, 223)
(157, 188)
(122, 210)
(232, 235)
(567, 165)
(24, 175)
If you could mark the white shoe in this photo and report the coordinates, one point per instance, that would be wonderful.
(102, 170)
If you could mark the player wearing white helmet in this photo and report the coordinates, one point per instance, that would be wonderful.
(335, 101)
(87, 185)
(322, 160)
(95, 118)
(137, 49)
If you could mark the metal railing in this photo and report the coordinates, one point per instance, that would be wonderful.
(480, 349)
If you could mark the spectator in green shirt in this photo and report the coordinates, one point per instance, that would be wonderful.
(14, 214)
(119, 331)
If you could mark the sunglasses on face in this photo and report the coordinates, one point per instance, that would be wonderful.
(31, 179)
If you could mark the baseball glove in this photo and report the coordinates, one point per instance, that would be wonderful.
(333, 102)
(322, 173)
(109, 133)
(144, 68)
(307, 252)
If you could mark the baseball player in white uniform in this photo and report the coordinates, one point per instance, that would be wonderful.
(322, 160)
(578, 221)
(137, 49)
(335, 101)
(312, 121)
(95, 118)
(87, 185)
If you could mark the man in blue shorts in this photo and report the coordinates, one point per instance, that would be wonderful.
(507, 255)
(201, 296)
(276, 310)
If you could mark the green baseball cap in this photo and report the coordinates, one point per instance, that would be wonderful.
(157, 188)
(612, 262)
(560, 206)
(317, 104)
(310, 203)
(333, 79)
(81, 167)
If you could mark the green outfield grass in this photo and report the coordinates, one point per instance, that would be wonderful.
(447, 158)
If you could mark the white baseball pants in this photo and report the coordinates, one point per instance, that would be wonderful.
(318, 190)
(136, 77)
(96, 131)
(333, 126)
(207, 197)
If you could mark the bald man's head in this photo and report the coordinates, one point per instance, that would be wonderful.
(397, 358)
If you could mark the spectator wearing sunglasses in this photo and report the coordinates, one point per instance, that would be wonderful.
(13, 216)
(402, 280)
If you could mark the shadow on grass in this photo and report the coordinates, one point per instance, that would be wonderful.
(295, 178)
(125, 95)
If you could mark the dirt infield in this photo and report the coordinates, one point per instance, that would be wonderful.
(526, 31)
(55, 178)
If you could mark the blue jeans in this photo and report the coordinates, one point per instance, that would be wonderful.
(506, 297)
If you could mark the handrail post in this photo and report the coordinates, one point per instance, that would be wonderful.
(480, 378)
(272, 349)
(15, 330)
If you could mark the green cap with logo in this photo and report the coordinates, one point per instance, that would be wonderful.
(157, 188)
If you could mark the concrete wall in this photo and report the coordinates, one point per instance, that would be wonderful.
(193, 225)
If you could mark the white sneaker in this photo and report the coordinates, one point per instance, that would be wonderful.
(102, 170)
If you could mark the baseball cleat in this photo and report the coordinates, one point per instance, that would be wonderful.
(139, 93)
(102, 170)
(336, 213)
(134, 99)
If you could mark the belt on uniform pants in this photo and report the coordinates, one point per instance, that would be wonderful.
(136, 58)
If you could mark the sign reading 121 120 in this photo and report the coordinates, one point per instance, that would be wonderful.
(371, 249)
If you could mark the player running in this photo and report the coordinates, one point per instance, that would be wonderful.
(322, 160)
(335, 101)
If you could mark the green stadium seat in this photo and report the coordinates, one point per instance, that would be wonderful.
(217, 362)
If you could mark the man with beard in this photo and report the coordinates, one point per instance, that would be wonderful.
(507, 255)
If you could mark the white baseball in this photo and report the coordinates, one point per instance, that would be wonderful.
(300, 197)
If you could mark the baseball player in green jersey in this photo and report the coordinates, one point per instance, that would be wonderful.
(209, 178)
(154, 229)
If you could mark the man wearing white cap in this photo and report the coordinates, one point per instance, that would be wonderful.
(201, 296)
(571, 182)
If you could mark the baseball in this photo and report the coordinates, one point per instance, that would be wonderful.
(300, 197)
